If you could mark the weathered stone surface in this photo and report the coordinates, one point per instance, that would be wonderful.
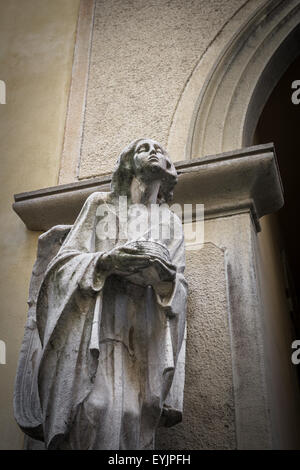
(230, 185)
(248, 331)
(105, 332)
(209, 416)
(26, 401)
(226, 184)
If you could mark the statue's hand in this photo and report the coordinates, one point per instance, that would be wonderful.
(165, 270)
(123, 260)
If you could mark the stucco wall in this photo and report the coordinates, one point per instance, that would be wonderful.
(142, 56)
(37, 43)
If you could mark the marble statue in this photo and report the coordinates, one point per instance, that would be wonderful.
(102, 361)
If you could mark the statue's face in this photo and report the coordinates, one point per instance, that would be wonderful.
(149, 155)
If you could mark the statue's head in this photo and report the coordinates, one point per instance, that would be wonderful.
(147, 160)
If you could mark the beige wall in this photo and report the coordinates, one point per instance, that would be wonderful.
(37, 42)
(142, 56)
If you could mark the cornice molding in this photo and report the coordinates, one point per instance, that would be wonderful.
(246, 180)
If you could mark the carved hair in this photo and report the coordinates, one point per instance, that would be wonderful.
(124, 173)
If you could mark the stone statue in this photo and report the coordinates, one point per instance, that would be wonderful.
(102, 361)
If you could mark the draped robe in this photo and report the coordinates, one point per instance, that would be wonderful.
(109, 347)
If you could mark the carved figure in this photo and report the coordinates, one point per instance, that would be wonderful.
(102, 361)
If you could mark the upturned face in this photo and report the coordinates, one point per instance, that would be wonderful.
(150, 156)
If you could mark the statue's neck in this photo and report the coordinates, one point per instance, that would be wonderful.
(144, 193)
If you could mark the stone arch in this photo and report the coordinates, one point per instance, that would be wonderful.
(224, 115)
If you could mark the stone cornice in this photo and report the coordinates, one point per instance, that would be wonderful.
(227, 183)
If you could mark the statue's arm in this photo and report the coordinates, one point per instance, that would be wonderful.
(173, 300)
(175, 308)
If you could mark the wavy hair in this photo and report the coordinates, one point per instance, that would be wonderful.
(124, 173)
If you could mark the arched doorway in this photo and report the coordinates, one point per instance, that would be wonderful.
(278, 123)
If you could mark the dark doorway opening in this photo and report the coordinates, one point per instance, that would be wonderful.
(280, 123)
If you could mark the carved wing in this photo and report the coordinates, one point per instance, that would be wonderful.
(26, 398)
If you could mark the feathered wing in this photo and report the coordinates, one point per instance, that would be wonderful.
(27, 406)
(55, 248)
(65, 309)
